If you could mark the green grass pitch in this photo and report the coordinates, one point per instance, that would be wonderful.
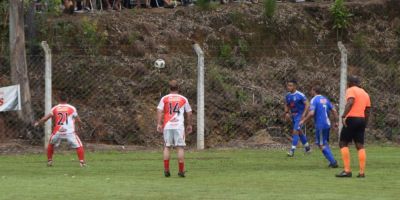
(211, 174)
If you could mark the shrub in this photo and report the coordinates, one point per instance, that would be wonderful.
(269, 8)
(340, 16)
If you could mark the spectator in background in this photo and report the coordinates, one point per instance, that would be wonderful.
(170, 4)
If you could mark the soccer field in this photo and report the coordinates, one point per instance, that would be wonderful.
(211, 174)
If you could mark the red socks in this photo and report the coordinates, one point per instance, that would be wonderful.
(50, 151)
(166, 165)
(181, 167)
(81, 154)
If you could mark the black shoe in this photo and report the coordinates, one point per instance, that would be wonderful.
(361, 175)
(167, 174)
(181, 174)
(344, 174)
(334, 165)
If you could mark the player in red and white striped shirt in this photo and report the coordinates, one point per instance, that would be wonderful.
(65, 117)
(172, 108)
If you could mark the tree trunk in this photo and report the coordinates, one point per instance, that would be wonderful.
(19, 71)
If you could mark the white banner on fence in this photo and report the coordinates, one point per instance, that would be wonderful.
(10, 98)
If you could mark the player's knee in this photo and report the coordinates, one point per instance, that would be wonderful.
(359, 146)
(342, 144)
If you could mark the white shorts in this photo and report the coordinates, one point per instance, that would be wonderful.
(174, 137)
(72, 139)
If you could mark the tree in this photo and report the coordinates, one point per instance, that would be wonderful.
(341, 17)
(19, 71)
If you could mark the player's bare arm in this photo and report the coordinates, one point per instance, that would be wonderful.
(335, 117)
(189, 127)
(349, 105)
(78, 123)
(44, 119)
(159, 121)
(308, 117)
(287, 113)
(367, 114)
(307, 107)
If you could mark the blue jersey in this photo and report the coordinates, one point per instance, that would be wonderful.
(321, 107)
(296, 102)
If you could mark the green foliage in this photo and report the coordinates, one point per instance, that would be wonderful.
(241, 95)
(359, 41)
(225, 51)
(133, 37)
(237, 18)
(269, 8)
(53, 7)
(340, 16)
(92, 35)
(243, 46)
(205, 5)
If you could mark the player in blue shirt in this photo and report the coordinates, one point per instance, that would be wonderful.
(295, 110)
(320, 108)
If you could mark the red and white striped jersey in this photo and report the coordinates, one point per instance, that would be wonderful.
(174, 106)
(64, 118)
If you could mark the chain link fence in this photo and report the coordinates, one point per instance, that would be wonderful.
(116, 96)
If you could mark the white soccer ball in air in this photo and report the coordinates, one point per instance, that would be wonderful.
(159, 63)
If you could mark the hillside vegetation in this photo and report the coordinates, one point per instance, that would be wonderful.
(104, 61)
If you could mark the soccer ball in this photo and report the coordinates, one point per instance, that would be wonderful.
(159, 63)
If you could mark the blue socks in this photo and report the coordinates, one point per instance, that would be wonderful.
(328, 154)
(303, 139)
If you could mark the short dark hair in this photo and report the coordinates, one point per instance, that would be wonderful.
(294, 81)
(353, 80)
(317, 89)
(63, 96)
(173, 85)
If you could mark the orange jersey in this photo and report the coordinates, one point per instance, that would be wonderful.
(64, 118)
(361, 101)
(174, 106)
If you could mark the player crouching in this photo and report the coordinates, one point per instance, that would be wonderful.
(64, 117)
(173, 106)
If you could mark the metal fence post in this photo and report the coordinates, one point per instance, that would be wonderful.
(47, 96)
(343, 83)
(200, 96)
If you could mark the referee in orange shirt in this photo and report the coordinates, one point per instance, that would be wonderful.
(355, 119)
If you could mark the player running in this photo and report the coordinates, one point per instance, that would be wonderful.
(64, 117)
(295, 110)
(173, 106)
(355, 119)
(320, 108)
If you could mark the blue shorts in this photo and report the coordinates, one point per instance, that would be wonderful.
(322, 136)
(296, 122)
